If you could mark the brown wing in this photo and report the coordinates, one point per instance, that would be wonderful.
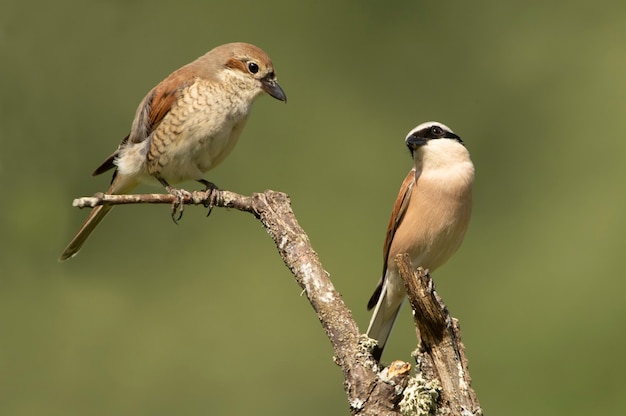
(162, 99)
(397, 214)
(150, 113)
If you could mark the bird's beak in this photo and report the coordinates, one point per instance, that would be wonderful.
(415, 141)
(271, 87)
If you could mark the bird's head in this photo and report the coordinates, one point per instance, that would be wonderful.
(425, 132)
(250, 67)
(435, 143)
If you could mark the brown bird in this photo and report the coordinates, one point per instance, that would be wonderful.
(187, 124)
(429, 218)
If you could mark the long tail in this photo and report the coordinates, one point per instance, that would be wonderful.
(384, 317)
(120, 185)
(96, 215)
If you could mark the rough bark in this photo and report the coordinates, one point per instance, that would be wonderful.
(441, 354)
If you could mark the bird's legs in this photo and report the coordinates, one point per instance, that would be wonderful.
(210, 187)
(178, 205)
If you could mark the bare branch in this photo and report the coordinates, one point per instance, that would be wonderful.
(441, 354)
(367, 393)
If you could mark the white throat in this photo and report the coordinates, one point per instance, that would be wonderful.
(441, 154)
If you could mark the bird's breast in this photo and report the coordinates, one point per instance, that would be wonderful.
(197, 134)
(435, 221)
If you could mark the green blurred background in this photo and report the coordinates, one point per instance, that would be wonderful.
(203, 317)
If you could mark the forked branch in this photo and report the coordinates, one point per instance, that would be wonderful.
(370, 389)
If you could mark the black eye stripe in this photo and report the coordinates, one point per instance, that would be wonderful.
(432, 132)
(436, 131)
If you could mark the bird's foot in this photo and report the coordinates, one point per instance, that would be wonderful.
(209, 189)
(178, 206)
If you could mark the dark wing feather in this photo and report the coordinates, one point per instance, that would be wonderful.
(109, 163)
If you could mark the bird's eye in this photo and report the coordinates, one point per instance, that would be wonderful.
(436, 131)
(253, 67)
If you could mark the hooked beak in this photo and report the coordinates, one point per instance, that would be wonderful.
(414, 141)
(271, 87)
